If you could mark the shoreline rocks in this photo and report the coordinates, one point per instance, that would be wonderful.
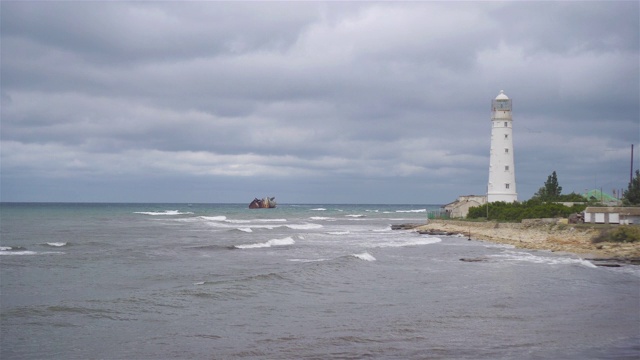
(535, 236)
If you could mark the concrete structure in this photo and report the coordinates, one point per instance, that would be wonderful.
(612, 215)
(460, 207)
(502, 172)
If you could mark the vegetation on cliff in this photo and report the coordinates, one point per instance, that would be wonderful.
(546, 203)
(515, 212)
(552, 191)
(631, 196)
(543, 204)
(622, 234)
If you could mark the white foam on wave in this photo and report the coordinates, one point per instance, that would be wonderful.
(531, 258)
(388, 228)
(166, 212)
(307, 226)
(245, 221)
(307, 260)
(411, 242)
(364, 256)
(57, 244)
(339, 232)
(355, 215)
(412, 211)
(319, 209)
(270, 243)
(29, 252)
(5, 248)
(26, 252)
(233, 224)
(214, 218)
(322, 218)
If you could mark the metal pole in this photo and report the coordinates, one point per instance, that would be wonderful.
(631, 171)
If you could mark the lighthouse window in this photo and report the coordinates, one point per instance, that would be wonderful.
(506, 136)
(505, 124)
(506, 151)
(506, 168)
(506, 186)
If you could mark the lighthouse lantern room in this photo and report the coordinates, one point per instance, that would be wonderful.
(502, 174)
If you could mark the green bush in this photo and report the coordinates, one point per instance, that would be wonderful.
(622, 234)
(515, 212)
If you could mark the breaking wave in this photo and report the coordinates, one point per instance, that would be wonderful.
(166, 212)
(307, 226)
(322, 218)
(270, 243)
(413, 242)
(364, 256)
(531, 258)
(214, 218)
(57, 244)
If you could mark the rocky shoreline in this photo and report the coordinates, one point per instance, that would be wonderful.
(536, 235)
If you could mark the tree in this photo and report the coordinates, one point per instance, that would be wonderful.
(632, 195)
(551, 189)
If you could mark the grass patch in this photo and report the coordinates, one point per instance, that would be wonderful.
(619, 234)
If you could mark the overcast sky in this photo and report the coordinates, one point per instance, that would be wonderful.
(385, 102)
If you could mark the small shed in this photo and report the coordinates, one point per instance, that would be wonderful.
(612, 215)
(460, 207)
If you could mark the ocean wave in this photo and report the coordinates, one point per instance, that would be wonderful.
(166, 212)
(57, 244)
(270, 243)
(246, 221)
(308, 260)
(339, 232)
(412, 211)
(531, 258)
(412, 242)
(247, 230)
(24, 252)
(364, 256)
(213, 218)
(29, 252)
(307, 226)
(322, 218)
(355, 215)
(11, 248)
(319, 209)
(214, 247)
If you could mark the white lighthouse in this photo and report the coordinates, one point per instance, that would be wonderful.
(502, 172)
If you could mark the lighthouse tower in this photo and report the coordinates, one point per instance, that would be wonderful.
(502, 172)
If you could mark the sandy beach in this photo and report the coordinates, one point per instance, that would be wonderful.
(538, 235)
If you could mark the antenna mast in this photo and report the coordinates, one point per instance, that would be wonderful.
(631, 171)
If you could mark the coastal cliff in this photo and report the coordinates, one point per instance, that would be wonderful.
(538, 235)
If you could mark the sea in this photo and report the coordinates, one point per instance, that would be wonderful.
(301, 281)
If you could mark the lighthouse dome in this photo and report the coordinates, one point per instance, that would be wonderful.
(502, 96)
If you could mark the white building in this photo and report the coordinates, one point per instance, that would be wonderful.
(612, 215)
(460, 207)
(502, 172)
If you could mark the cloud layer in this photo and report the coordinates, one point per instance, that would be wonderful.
(311, 102)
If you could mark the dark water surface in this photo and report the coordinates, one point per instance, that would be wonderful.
(212, 281)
